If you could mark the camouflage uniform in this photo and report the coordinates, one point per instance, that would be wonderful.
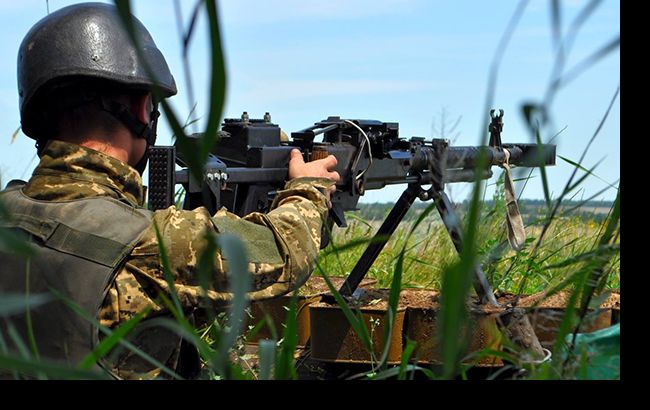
(282, 245)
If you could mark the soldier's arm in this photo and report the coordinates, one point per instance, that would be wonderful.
(298, 214)
(282, 245)
(295, 222)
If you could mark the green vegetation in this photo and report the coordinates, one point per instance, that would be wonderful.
(430, 251)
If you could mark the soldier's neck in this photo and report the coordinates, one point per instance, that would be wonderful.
(108, 148)
(117, 145)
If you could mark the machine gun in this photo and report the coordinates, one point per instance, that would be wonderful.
(250, 163)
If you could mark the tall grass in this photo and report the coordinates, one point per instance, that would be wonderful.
(429, 251)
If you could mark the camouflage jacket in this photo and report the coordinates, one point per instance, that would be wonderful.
(282, 245)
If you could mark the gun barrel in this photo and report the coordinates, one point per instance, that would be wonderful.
(525, 155)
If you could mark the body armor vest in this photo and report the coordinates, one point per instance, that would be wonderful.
(81, 244)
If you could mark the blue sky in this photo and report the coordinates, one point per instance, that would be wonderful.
(407, 61)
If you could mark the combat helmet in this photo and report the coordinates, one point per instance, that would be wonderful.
(84, 42)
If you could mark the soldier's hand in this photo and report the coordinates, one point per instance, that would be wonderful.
(320, 168)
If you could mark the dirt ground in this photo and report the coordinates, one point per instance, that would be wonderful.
(316, 285)
(557, 301)
(377, 299)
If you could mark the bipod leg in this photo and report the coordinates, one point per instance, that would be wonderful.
(380, 239)
(452, 223)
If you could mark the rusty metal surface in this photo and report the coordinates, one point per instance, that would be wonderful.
(333, 339)
(277, 310)
(546, 322)
(422, 327)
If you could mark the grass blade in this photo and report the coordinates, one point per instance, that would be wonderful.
(164, 261)
(356, 322)
(12, 303)
(13, 241)
(266, 351)
(194, 158)
(580, 167)
(90, 319)
(53, 370)
(556, 23)
(583, 65)
(395, 371)
(396, 286)
(406, 355)
(284, 366)
(28, 314)
(240, 282)
(218, 80)
(111, 341)
(186, 37)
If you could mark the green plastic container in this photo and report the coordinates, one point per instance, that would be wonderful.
(602, 351)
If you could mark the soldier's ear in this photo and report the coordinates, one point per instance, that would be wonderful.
(142, 105)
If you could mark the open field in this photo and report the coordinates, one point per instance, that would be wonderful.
(430, 251)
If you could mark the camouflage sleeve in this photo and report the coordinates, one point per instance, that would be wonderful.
(282, 246)
(296, 218)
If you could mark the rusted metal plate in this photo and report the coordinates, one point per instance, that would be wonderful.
(546, 314)
(423, 328)
(547, 321)
(334, 340)
(276, 308)
(277, 311)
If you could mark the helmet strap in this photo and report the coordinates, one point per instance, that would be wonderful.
(141, 130)
(124, 114)
(142, 164)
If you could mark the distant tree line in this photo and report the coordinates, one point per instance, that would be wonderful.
(532, 210)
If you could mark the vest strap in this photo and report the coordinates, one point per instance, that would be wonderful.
(61, 237)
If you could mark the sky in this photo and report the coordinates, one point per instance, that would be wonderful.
(422, 63)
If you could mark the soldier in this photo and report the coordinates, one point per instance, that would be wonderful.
(85, 97)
